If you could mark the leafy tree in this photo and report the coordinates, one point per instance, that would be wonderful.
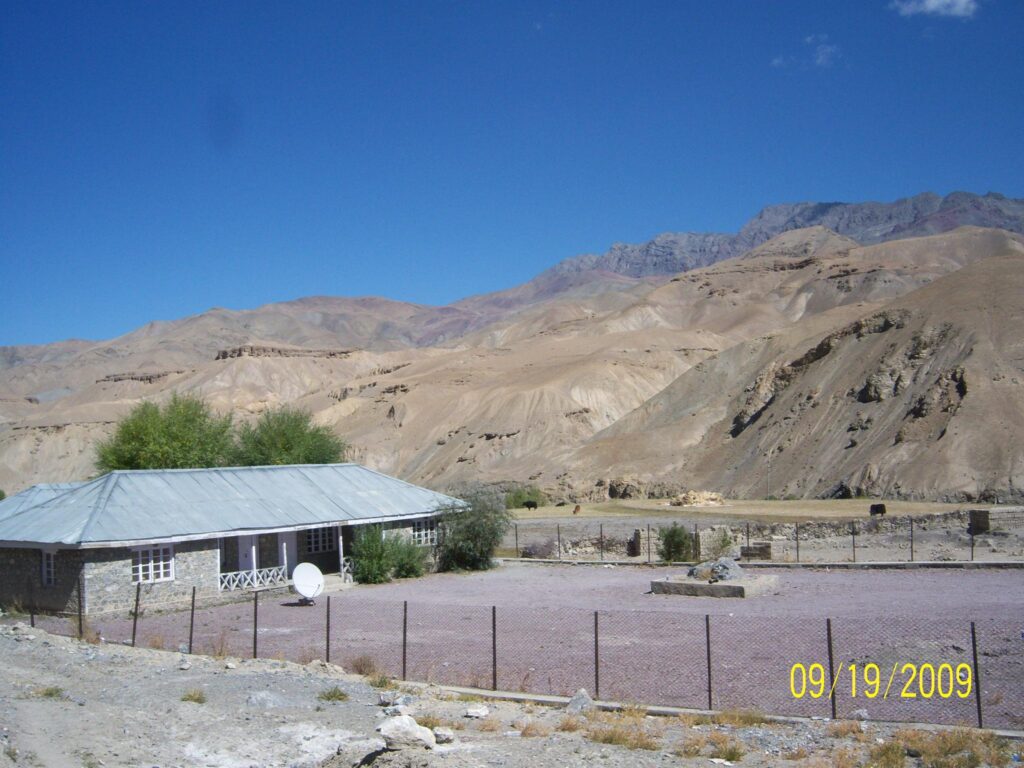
(370, 557)
(468, 537)
(675, 544)
(407, 559)
(2, 494)
(287, 436)
(183, 433)
(515, 498)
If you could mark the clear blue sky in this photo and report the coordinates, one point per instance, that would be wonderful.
(157, 159)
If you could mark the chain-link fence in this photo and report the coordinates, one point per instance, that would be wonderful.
(964, 535)
(889, 667)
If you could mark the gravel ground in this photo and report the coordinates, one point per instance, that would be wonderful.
(67, 703)
(652, 648)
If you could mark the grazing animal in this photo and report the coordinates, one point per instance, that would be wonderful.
(530, 504)
(576, 511)
(877, 509)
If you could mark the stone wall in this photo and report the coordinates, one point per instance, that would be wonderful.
(109, 587)
(21, 580)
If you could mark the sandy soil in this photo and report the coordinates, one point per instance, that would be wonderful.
(64, 703)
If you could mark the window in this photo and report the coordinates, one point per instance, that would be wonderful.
(150, 564)
(321, 540)
(424, 532)
(49, 568)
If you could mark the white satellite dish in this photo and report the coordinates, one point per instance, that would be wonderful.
(308, 582)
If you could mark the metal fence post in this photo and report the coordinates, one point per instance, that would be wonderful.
(648, 543)
(853, 539)
(748, 534)
(31, 603)
(831, 668)
(696, 543)
(405, 636)
(558, 533)
(911, 539)
(597, 661)
(977, 673)
(707, 645)
(494, 647)
(135, 613)
(255, 621)
(517, 539)
(972, 543)
(601, 539)
(192, 620)
(327, 644)
(81, 620)
(798, 542)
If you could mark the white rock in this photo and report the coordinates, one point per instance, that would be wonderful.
(185, 666)
(444, 735)
(580, 702)
(477, 711)
(403, 731)
(230, 665)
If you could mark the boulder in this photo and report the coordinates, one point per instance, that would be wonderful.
(477, 711)
(580, 702)
(403, 732)
(722, 569)
(444, 735)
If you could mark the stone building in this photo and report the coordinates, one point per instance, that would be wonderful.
(220, 530)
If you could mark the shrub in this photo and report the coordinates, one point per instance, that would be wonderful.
(332, 694)
(50, 692)
(516, 498)
(721, 545)
(468, 537)
(891, 754)
(406, 558)
(196, 696)
(725, 747)
(675, 544)
(370, 555)
(363, 665)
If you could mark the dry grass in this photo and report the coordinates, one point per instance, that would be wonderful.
(308, 654)
(532, 728)
(156, 642)
(570, 724)
(726, 747)
(194, 695)
(844, 729)
(891, 754)
(49, 692)
(362, 665)
(332, 694)
(845, 758)
(692, 745)
(797, 754)
(958, 748)
(626, 728)
(735, 717)
(219, 645)
(380, 681)
(432, 721)
(489, 724)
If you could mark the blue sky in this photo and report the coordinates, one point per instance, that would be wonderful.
(158, 159)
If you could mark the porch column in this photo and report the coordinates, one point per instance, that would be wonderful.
(254, 561)
(284, 557)
(341, 551)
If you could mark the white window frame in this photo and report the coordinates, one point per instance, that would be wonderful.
(424, 532)
(151, 565)
(49, 567)
(321, 540)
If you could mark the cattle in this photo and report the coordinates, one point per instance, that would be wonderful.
(530, 504)
(877, 509)
(576, 510)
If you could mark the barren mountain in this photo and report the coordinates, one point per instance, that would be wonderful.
(892, 368)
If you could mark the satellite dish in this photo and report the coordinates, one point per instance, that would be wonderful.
(308, 582)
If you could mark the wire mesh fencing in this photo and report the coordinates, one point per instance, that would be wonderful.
(881, 667)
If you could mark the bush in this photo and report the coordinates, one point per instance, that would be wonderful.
(515, 499)
(468, 537)
(370, 556)
(407, 559)
(675, 544)
(721, 545)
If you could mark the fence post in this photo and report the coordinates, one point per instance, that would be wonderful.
(853, 539)
(972, 543)
(135, 613)
(558, 532)
(696, 543)
(707, 645)
(798, 542)
(831, 668)
(977, 673)
(81, 625)
(192, 620)
(597, 661)
(327, 646)
(911, 539)
(494, 647)
(31, 602)
(748, 534)
(255, 620)
(648, 543)
(517, 539)
(405, 636)
(601, 539)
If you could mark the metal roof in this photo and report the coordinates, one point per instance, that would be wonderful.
(32, 496)
(174, 504)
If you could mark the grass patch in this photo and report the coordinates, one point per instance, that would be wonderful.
(490, 724)
(843, 729)
(433, 721)
(380, 681)
(49, 692)
(195, 695)
(739, 717)
(623, 735)
(362, 665)
(845, 758)
(332, 694)
(797, 754)
(891, 754)
(570, 724)
(692, 746)
(725, 747)
(532, 729)
(958, 748)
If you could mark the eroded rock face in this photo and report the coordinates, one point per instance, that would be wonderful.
(722, 569)
(403, 732)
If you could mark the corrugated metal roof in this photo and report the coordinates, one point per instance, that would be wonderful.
(148, 505)
(32, 496)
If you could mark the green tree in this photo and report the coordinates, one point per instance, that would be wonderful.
(468, 537)
(2, 494)
(517, 497)
(287, 436)
(183, 433)
(675, 544)
(371, 562)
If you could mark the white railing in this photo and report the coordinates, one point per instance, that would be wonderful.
(261, 577)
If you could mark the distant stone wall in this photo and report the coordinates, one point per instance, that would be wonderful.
(109, 587)
(21, 580)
